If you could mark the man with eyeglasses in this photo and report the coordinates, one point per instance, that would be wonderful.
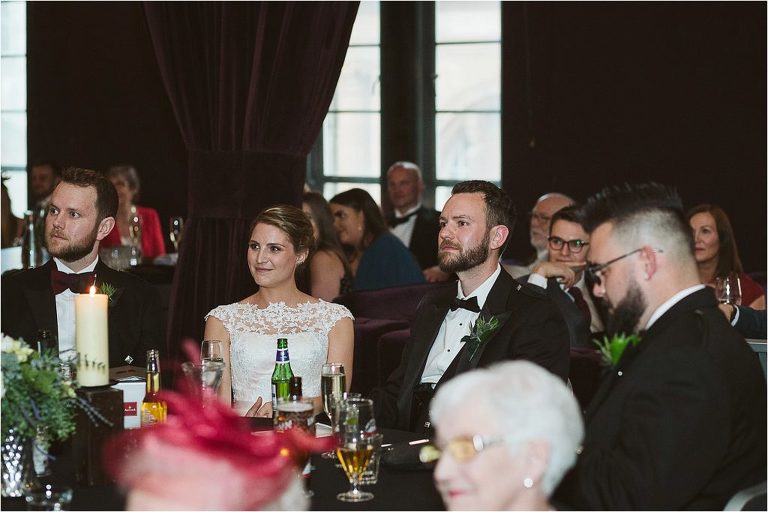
(540, 217)
(562, 275)
(680, 420)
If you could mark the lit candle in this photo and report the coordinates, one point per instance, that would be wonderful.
(91, 338)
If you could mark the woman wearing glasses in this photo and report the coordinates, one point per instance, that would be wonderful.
(507, 435)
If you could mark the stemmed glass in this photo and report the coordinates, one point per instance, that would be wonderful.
(728, 289)
(211, 350)
(175, 227)
(357, 435)
(333, 382)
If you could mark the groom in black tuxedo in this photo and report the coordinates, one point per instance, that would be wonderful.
(486, 317)
(81, 213)
(680, 420)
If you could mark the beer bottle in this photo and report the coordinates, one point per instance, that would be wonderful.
(295, 393)
(153, 410)
(281, 376)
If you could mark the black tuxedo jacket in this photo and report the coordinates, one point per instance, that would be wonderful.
(134, 321)
(530, 328)
(578, 328)
(680, 423)
(424, 239)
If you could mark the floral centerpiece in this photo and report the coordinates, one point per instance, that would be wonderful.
(36, 398)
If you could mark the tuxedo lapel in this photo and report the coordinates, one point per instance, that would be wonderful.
(42, 301)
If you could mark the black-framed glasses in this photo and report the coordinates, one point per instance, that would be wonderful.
(594, 270)
(575, 246)
(462, 448)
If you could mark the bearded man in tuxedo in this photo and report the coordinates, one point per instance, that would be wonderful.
(80, 214)
(486, 317)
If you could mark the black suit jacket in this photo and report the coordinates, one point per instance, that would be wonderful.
(424, 239)
(680, 423)
(578, 328)
(530, 328)
(134, 321)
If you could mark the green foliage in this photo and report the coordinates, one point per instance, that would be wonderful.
(479, 334)
(33, 392)
(612, 349)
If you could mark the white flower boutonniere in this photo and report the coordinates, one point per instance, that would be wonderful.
(479, 333)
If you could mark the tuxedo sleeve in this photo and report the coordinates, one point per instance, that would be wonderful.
(543, 339)
(385, 397)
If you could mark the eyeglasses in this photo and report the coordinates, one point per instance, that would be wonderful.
(575, 246)
(594, 270)
(462, 448)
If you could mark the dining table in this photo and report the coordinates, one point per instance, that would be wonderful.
(396, 488)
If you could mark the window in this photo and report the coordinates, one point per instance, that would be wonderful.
(467, 94)
(351, 138)
(13, 102)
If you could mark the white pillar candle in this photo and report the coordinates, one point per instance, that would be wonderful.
(91, 338)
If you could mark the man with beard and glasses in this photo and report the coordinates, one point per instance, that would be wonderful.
(679, 422)
(80, 214)
(486, 317)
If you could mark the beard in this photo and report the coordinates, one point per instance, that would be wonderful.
(73, 250)
(466, 259)
(626, 315)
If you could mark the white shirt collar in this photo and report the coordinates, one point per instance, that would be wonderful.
(666, 306)
(482, 291)
(62, 267)
(408, 212)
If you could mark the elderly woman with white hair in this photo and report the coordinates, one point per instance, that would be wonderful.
(507, 435)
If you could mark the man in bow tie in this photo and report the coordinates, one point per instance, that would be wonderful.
(486, 317)
(413, 223)
(80, 214)
(679, 422)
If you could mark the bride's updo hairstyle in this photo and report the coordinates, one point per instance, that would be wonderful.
(293, 222)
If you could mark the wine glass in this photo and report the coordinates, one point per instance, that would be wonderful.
(333, 383)
(357, 436)
(211, 350)
(204, 378)
(175, 227)
(728, 289)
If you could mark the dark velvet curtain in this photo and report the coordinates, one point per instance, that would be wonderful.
(250, 84)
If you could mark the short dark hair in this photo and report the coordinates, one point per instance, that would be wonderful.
(293, 222)
(727, 254)
(499, 208)
(106, 195)
(573, 213)
(129, 174)
(361, 201)
(44, 162)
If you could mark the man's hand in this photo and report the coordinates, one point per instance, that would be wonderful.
(260, 409)
(435, 275)
(566, 272)
(728, 310)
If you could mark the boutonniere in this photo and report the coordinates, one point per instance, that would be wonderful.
(479, 334)
(111, 292)
(612, 348)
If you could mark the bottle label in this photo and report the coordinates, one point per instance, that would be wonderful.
(274, 398)
(282, 356)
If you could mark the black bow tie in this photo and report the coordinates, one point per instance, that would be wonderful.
(469, 304)
(396, 221)
(61, 281)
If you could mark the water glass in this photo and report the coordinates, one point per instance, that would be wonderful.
(204, 378)
(728, 289)
(48, 497)
(211, 350)
(371, 475)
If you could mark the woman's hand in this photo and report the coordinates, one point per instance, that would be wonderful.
(260, 409)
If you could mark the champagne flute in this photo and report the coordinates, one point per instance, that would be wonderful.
(728, 289)
(333, 383)
(211, 350)
(357, 435)
(175, 227)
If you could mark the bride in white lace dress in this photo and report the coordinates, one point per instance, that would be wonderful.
(317, 331)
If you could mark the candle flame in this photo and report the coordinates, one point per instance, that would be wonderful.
(93, 290)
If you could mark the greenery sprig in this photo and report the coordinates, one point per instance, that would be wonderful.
(612, 348)
(479, 333)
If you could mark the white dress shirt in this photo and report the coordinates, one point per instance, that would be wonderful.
(455, 326)
(404, 231)
(65, 312)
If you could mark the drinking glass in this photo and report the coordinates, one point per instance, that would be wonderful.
(204, 378)
(48, 497)
(728, 289)
(211, 350)
(175, 227)
(333, 384)
(357, 441)
(296, 414)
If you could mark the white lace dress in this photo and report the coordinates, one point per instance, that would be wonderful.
(253, 334)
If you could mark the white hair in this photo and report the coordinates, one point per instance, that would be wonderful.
(528, 402)
(415, 169)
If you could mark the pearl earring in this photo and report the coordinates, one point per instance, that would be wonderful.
(528, 482)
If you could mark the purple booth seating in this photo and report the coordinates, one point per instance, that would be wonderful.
(376, 313)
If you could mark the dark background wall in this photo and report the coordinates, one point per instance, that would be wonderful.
(608, 92)
(615, 92)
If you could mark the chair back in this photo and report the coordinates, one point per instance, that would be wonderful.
(751, 498)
